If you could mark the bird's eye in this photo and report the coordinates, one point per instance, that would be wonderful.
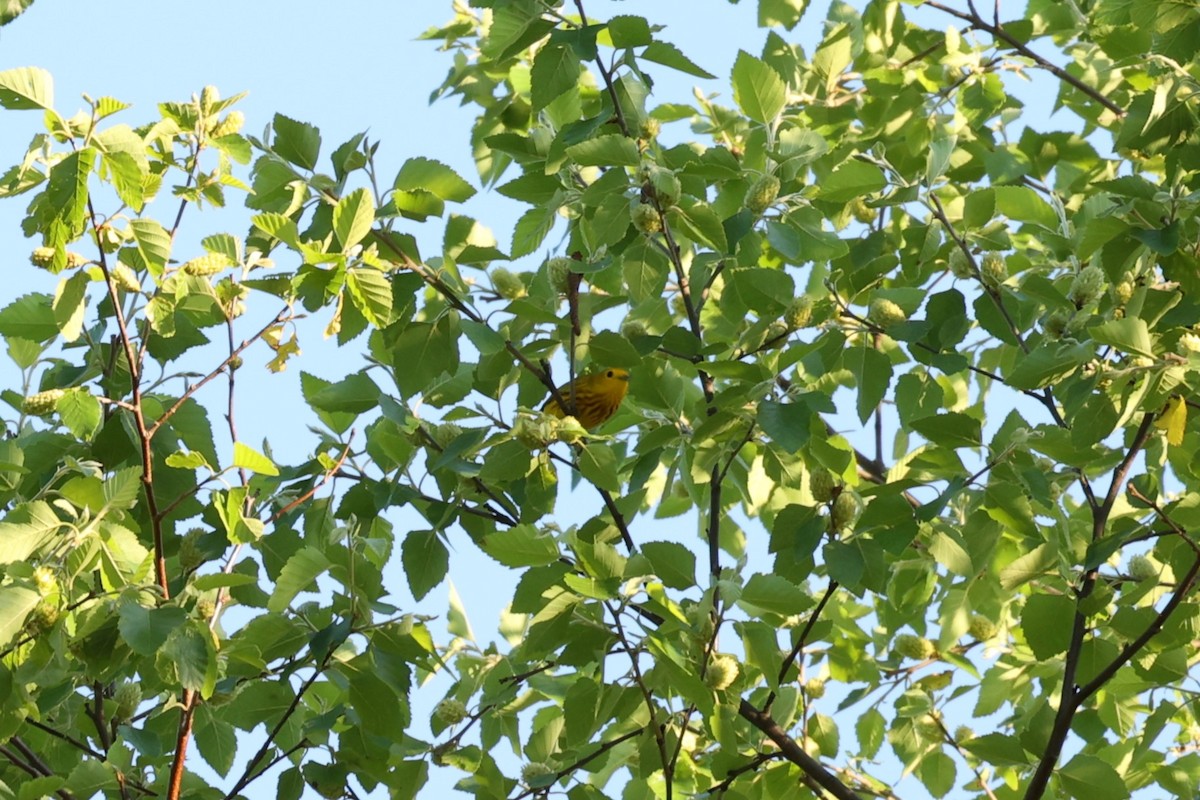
(609, 373)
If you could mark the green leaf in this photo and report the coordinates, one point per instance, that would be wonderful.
(1028, 567)
(1048, 363)
(215, 740)
(757, 88)
(26, 88)
(190, 655)
(353, 217)
(629, 31)
(674, 564)
(15, 604)
(80, 412)
(611, 149)
(869, 729)
(146, 629)
(834, 55)
(70, 305)
(786, 423)
(873, 373)
(1047, 621)
(938, 773)
(29, 317)
(997, 748)
(371, 292)
(153, 243)
(531, 230)
(598, 464)
(522, 546)
(296, 142)
(852, 179)
(1130, 335)
(425, 559)
(222, 580)
(67, 187)
(379, 708)
(246, 457)
(1025, 205)
(1087, 777)
(298, 575)
(766, 292)
(785, 13)
(773, 593)
(25, 529)
(951, 429)
(433, 176)
(610, 349)
(122, 488)
(671, 56)
(555, 70)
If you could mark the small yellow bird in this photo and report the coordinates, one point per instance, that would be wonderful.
(596, 396)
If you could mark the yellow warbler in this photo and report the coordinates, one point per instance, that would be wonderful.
(596, 396)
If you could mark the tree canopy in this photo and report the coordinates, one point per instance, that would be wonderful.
(900, 502)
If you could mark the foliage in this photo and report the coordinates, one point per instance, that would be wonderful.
(917, 375)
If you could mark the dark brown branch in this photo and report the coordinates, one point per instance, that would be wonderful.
(996, 30)
(793, 752)
(1070, 695)
(801, 642)
(601, 750)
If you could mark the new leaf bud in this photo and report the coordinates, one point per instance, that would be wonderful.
(762, 194)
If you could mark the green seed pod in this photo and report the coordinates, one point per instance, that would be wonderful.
(1087, 286)
(1056, 324)
(649, 129)
(814, 688)
(847, 508)
(43, 617)
(127, 697)
(646, 219)
(762, 194)
(917, 648)
(1143, 568)
(799, 313)
(232, 124)
(884, 312)
(632, 328)
(507, 284)
(445, 433)
(569, 430)
(960, 264)
(665, 185)
(43, 404)
(993, 269)
(46, 581)
(205, 265)
(206, 607)
(981, 628)
(821, 484)
(190, 555)
(450, 712)
(963, 734)
(722, 672)
(557, 271)
(124, 278)
(536, 432)
(42, 257)
(534, 770)
(863, 212)
(209, 96)
(1123, 291)
(776, 332)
